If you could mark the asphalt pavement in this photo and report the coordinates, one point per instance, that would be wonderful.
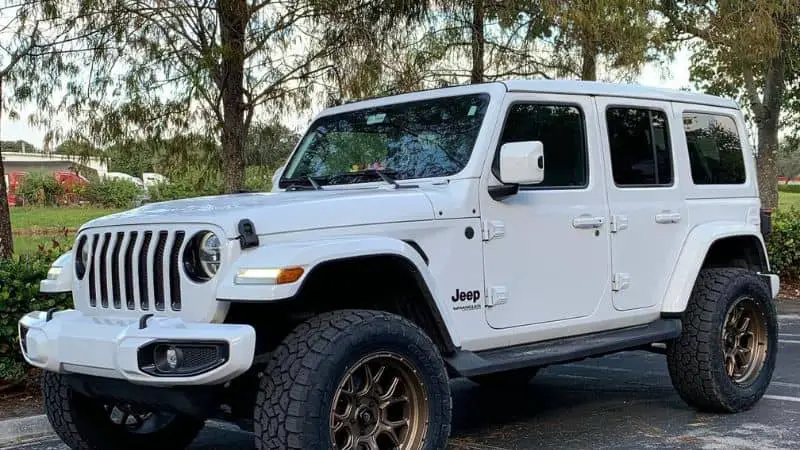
(622, 401)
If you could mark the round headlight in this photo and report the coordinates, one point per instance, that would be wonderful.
(81, 258)
(202, 256)
(210, 254)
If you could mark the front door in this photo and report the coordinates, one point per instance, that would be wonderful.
(649, 214)
(547, 250)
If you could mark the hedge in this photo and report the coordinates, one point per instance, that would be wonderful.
(19, 294)
(113, 193)
(783, 245)
(792, 188)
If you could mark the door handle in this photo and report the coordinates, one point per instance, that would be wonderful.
(587, 221)
(668, 217)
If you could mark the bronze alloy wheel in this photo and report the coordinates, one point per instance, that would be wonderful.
(381, 403)
(745, 343)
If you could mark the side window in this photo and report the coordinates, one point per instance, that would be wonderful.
(715, 150)
(639, 144)
(560, 128)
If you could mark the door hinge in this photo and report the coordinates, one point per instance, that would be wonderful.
(618, 223)
(493, 229)
(620, 281)
(497, 295)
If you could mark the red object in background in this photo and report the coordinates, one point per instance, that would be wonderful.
(14, 179)
(69, 180)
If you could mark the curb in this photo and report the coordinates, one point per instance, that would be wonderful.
(17, 431)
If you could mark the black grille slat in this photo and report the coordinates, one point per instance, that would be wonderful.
(158, 271)
(174, 274)
(90, 268)
(129, 295)
(115, 279)
(143, 283)
(103, 273)
(136, 270)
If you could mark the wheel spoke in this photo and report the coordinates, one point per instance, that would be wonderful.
(392, 424)
(391, 390)
(367, 381)
(730, 365)
(379, 374)
(393, 401)
(745, 325)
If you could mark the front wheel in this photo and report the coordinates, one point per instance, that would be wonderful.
(724, 359)
(353, 380)
(84, 423)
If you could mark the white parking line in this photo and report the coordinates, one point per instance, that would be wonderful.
(788, 341)
(789, 335)
(783, 398)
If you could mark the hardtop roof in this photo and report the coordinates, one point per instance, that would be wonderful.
(616, 90)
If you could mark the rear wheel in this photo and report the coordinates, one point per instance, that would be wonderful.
(85, 423)
(354, 380)
(724, 359)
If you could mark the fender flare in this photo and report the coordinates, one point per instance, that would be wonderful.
(693, 253)
(310, 254)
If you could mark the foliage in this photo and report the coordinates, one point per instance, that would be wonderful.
(183, 188)
(789, 188)
(746, 50)
(19, 294)
(40, 189)
(783, 245)
(788, 159)
(113, 193)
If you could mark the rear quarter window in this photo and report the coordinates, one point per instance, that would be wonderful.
(715, 149)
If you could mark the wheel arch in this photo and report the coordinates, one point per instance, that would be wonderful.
(716, 244)
(351, 270)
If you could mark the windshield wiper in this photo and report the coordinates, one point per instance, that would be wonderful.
(296, 186)
(384, 174)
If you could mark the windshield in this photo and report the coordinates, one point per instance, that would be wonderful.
(429, 138)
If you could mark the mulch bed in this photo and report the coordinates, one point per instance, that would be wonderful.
(790, 290)
(22, 399)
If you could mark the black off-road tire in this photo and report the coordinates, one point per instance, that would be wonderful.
(696, 359)
(84, 424)
(296, 393)
(511, 379)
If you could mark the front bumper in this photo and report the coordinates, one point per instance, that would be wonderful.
(74, 343)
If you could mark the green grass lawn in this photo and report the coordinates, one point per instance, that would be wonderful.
(35, 226)
(788, 200)
(27, 219)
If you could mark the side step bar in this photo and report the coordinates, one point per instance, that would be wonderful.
(467, 363)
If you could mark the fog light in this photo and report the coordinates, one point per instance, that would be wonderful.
(173, 359)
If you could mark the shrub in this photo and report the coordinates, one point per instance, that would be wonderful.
(19, 294)
(182, 189)
(793, 188)
(783, 245)
(40, 189)
(113, 193)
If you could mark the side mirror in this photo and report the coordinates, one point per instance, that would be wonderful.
(522, 162)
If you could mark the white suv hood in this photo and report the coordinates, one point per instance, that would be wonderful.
(282, 211)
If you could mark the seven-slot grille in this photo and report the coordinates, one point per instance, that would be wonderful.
(135, 270)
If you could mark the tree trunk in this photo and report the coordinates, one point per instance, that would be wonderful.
(766, 161)
(6, 240)
(588, 63)
(478, 42)
(233, 17)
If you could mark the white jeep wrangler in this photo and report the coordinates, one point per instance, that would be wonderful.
(479, 231)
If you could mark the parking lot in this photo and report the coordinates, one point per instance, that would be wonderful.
(621, 401)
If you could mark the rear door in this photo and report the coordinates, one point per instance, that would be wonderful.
(648, 211)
